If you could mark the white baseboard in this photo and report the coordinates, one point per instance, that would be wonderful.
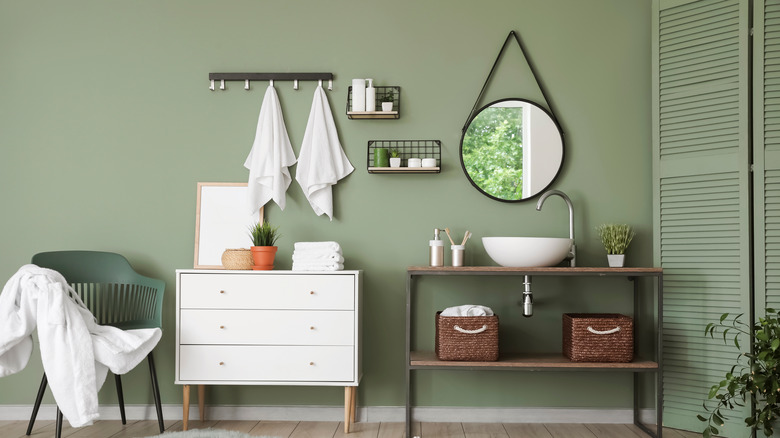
(371, 414)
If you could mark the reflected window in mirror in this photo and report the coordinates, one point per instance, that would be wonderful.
(511, 150)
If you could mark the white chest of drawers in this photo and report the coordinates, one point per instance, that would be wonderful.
(268, 328)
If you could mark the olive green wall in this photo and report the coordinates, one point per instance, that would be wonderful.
(107, 123)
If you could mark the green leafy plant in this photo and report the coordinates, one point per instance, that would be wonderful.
(754, 379)
(263, 234)
(388, 96)
(615, 237)
(394, 153)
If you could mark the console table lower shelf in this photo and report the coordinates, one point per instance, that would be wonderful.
(537, 361)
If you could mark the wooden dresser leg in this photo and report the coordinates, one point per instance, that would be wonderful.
(201, 402)
(353, 405)
(186, 404)
(347, 405)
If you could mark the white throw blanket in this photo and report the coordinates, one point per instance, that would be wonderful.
(270, 157)
(322, 162)
(467, 310)
(75, 351)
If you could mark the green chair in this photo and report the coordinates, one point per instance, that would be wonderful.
(117, 296)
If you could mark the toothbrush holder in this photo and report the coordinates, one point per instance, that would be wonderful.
(458, 253)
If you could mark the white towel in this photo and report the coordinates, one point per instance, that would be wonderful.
(315, 256)
(299, 266)
(318, 246)
(467, 310)
(75, 351)
(322, 162)
(270, 157)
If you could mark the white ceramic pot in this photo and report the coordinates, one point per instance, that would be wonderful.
(414, 162)
(395, 162)
(429, 162)
(616, 260)
(387, 106)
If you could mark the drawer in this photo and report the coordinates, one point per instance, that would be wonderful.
(247, 291)
(266, 363)
(267, 327)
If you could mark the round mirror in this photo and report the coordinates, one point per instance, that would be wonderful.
(512, 150)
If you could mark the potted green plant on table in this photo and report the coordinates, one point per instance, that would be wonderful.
(615, 238)
(264, 238)
(387, 101)
(395, 158)
(754, 380)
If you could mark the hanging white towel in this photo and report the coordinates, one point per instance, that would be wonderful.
(322, 162)
(75, 351)
(270, 157)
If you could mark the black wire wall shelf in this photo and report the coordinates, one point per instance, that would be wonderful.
(376, 113)
(407, 149)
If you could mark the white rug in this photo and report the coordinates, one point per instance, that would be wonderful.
(207, 433)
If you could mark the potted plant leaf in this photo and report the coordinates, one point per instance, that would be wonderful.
(395, 158)
(615, 238)
(387, 101)
(754, 380)
(264, 238)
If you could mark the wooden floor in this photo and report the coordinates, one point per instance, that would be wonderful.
(325, 429)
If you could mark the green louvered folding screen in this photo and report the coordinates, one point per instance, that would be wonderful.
(701, 189)
(766, 92)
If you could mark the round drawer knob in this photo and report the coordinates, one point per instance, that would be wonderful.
(222, 363)
(311, 363)
(311, 292)
(222, 291)
(311, 328)
(222, 326)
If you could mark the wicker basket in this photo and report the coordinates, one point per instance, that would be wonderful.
(467, 338)
(598, 337)
(238, 259)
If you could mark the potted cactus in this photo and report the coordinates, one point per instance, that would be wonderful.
(264, 238)
(395, 158)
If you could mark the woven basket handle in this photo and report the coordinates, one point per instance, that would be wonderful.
(472, 332)
(605, 332)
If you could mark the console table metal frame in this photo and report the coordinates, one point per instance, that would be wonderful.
(544, 362)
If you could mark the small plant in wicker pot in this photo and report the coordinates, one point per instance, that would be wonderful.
(395, 158)
(754, 380)
(615, 238)
(264, 238)
(387, 101)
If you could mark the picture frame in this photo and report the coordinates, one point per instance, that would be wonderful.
(222, 221)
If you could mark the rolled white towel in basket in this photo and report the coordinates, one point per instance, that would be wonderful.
(467, 310)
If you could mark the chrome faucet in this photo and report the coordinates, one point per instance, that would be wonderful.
(573, 250)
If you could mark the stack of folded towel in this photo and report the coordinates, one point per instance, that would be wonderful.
(317, 256)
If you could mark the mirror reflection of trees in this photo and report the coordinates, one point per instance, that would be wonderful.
(493, 153)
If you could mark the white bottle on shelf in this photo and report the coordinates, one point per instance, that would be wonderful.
(358, 94)
(370, 96)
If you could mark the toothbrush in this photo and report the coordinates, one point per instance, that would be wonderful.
(447, 230)
(466, 237)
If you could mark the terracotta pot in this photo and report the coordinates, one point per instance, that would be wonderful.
(263, 257)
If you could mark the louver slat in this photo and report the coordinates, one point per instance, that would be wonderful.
(701, 189)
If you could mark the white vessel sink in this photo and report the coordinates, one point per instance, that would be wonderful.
(527, 252)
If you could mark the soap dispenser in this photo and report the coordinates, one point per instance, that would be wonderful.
(370, 96)
(436, 249)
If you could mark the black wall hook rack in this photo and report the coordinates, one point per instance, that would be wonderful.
(247, 77)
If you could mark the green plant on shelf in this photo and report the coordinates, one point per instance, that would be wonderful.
(263, 234)
(394, 153)
(615, 237)
(388, 97)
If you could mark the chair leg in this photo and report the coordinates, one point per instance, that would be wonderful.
(58, 433)
(121, 397)
(38, 398)
(156, 392)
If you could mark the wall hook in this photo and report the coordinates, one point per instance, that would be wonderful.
(330, 84)
(222, 84)
(246, 84)
(295, 84)
(320, 82)
(271, 82)
(211, 87)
